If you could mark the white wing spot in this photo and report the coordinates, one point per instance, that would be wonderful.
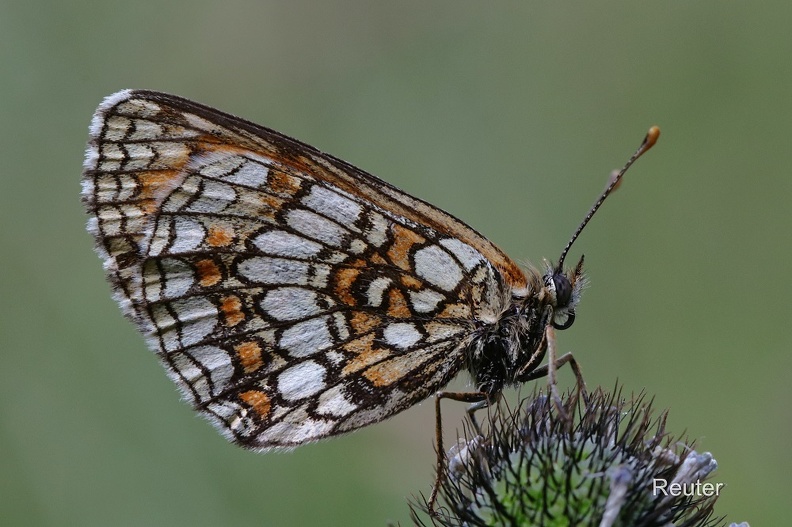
(306, 338)
(341, 325)
(283, 243)
(466, 254)
(116, 128)
(376, 289)
(357, 246)
(266, 270)
(331, 204)
(401, 335)
(315, 226)
(301, 381)
(320, 274)
(189, 235)
(334, 357)
(437, 267)
(377, 233)
(145, 129)
(290, 303)
(425, 300)
(251, 174)
(214, 197)
(334, 402)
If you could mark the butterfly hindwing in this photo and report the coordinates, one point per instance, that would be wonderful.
(290, 295)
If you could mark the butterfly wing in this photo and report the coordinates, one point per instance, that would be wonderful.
(290, 295)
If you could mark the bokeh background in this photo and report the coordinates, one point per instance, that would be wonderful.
(509, 115)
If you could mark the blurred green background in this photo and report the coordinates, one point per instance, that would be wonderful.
(508, 115)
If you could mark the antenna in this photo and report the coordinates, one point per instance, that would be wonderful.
(613, 183)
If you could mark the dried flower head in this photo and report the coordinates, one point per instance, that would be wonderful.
(612, 464)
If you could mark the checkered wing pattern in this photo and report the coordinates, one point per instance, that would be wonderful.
(290, 295)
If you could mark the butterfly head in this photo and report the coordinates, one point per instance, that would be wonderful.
(563, 289)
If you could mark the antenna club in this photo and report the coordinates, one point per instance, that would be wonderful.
(615, 179)
(651, 137)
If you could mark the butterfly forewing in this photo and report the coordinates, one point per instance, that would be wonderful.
(290, 295)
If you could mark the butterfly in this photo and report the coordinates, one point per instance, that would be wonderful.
(292, 296)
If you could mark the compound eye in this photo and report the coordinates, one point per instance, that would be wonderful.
(563, 290)
(568, 322)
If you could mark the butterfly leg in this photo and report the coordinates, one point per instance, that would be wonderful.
(475, 407)
(479, 400)
(551, 368)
